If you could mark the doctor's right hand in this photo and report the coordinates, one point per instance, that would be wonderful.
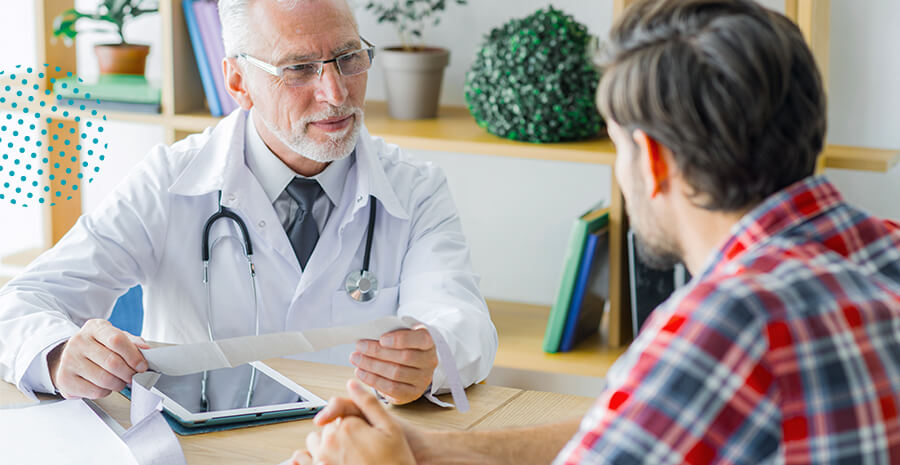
(97, 360)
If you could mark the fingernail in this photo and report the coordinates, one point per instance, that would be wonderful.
(362, 346)
(142, 366)
(355, 358)
(387, 341)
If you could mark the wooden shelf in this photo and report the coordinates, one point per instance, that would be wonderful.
(455, 131)
(521, 331)
(860, 158)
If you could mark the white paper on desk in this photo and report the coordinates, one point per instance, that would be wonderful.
(70, 432)
(185, 359)
(60, 433)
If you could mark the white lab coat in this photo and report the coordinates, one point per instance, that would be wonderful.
(148, 232)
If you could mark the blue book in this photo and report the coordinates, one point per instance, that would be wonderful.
(590, 293)
(206, 77)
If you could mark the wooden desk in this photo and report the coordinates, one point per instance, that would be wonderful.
(534, 408)
(492, 407)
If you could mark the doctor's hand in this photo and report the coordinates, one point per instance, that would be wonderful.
(363, 434)
(97, 360)
(400, 365)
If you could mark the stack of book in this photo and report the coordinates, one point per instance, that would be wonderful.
(205, 29)
(109, 92)
(584, 288)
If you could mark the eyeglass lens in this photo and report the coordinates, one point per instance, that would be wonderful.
(350, 64)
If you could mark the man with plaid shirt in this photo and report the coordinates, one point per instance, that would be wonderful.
(785, 345)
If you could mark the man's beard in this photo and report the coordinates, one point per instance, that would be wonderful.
(655, 248)
(337, 146)
(654, 256)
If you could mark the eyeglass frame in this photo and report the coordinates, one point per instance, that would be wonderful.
(278, 71)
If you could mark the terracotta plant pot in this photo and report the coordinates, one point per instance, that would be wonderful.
(122, 58)
(413, 80)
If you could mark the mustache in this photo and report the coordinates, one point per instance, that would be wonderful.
(333, 112)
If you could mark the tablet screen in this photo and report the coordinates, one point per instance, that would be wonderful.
(226, 389)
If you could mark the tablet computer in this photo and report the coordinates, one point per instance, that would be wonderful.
(232, 395)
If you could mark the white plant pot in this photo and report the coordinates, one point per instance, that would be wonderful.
(413, 81)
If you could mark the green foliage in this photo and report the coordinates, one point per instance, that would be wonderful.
(111, 12)
(410, 17)
(534, 81)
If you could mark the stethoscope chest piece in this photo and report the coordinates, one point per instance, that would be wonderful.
(362, 286)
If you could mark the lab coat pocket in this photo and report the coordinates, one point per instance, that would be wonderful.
(346, 311)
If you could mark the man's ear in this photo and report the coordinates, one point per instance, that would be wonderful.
(236, 84)
(654, 162)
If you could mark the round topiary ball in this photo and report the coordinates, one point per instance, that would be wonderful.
(533, 80)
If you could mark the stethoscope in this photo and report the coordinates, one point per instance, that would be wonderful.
(361, 286)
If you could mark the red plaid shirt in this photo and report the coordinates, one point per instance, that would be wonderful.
(785, 349)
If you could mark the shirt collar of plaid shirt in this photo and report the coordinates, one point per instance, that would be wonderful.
(792, 206)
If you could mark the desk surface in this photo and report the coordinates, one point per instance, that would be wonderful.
(492, 407)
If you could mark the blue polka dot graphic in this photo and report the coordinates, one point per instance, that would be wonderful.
(36, 169)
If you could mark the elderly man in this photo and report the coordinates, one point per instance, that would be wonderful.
(341, 228)
(784, 346)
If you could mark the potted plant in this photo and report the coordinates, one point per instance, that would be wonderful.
(413, 72)
(115, 58)
(533, 80)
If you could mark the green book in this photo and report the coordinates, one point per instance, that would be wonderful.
(109, 87)
(588, 223)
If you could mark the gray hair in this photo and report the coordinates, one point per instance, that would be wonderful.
(233, 15)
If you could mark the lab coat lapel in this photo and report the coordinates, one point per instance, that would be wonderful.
(213, 167)
(219, 165)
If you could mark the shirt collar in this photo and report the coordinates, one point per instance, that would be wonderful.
(792, 206)
(274, 176)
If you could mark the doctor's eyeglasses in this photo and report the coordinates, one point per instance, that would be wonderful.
(302, 74)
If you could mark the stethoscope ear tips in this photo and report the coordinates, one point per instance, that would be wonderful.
(362, 286)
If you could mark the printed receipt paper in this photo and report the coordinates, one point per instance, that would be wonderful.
(184, 359)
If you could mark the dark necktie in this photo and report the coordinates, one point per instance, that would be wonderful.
(303, 232)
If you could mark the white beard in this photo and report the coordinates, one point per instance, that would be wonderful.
(339, 144)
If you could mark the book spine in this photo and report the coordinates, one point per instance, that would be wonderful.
(202, 65)
(211, 30)
(560, 308)
(581, 284)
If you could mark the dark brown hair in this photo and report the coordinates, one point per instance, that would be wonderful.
(728, 86)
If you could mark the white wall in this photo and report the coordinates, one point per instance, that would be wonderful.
(20, 227)
(864, 98)
(517, 213)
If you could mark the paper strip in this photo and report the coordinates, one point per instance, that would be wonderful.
(185, 359)
(150, 438)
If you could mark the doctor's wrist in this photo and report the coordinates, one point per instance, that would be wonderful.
(53, 360)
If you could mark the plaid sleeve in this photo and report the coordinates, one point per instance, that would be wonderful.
(690, 390)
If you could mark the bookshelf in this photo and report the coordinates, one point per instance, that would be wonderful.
(521, 326)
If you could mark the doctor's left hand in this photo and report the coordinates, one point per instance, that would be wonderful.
(400, 365)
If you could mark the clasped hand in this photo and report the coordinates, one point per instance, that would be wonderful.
(357, 431)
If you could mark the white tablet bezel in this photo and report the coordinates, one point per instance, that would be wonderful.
(313, 401)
